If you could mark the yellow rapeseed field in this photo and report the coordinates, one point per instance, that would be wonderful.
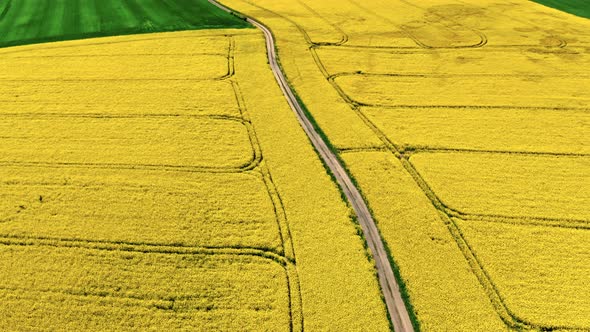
(515, 185)
(546, 283)
(465, 124)
(162, 182)
(501, 131)
(61, 288)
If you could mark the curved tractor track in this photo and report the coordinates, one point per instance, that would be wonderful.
(393, 299)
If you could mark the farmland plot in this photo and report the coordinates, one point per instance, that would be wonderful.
(545, 284)
(509, 185)
(148, 182)
(137, 290)
(576, 7)
(35, 21)
(464, 123)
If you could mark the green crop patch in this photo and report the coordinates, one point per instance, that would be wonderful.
(36, 21)
(576, 7)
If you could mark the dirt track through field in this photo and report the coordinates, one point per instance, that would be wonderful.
(390, 288)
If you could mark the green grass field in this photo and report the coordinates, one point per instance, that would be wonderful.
(576, 7)
(34, 21)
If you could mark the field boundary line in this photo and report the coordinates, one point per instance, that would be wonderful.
(344, 36)
(443, 75)
(502, 107)
(418, 49)
(120, 55)
(42, 115)
(141, 247)
(409, 150)
(297, 317)
(291, 278)
(266, 176)
(218, 78)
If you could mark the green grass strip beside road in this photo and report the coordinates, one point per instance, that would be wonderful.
(36, 21)
(576, 7)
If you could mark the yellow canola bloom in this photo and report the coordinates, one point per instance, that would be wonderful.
(126, 97)
(535, 62)
(138, 206)
(546, 282)
(501, 130)
(91, 289)
(161, 181)
(500, 87)
(467, 91)
(208, 142)
(509, 185)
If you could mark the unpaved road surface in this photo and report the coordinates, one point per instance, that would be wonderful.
(395, 304)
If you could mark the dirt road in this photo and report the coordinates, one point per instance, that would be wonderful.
(395, 304)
